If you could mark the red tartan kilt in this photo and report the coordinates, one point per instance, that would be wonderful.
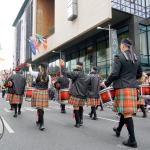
(141, 101)
(75, 101)
(9, 97)
(93, 101)
(39, 98)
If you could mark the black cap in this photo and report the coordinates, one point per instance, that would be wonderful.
(126, 41)
(80, 63)
(44, 64)
(94, 68)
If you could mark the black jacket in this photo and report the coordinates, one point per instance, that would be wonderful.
(94, 86)
(19, 83)
(125, 73)
(80, 82)
(64, 82)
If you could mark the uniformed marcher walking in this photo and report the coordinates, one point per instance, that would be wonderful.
(126, 70)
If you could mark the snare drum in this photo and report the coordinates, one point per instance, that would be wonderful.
(28, 93)
(63, 96)
(107, 95)
(144, 90)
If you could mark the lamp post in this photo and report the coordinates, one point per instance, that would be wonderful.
(59, 57)
(108, 29)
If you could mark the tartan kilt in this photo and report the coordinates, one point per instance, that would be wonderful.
(125, 100)
(39, 98)
(14, 98)
(9, 97)
(93, 101)
(76, 101)
(141, 101)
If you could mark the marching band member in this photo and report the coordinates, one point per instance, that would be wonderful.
(126, 70)
(40, 94)
(16, 88)
(141, 100)
(93, 93)
(64, 83)
(78, 90)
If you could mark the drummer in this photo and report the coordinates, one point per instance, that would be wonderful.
(78, 90)
(141, 100)
(93, 93)
(126, 70)
(40, 94)
(64, 84)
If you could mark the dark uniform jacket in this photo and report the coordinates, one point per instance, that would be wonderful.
(125, 73)
(80, 82)
(19, 83)
(94, 86)
(64, 82)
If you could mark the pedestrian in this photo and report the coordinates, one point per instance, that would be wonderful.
(3, 88)
(40, 94)
(78, 90)
(63, 84)
(126, 70)
(16, 88)
(93, 93)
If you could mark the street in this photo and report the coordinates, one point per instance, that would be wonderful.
(22, 133)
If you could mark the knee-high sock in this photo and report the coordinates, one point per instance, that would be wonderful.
(19, 107)
(143, 109)
(41, 116)
(94, 111)
(80, 112)
(76, 116)
(130, 127)
(121, 123)
(15, 106)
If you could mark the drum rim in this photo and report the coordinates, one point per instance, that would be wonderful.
(61, 90)
(106, 90)
(144, 85)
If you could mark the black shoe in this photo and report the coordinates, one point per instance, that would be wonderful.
(144, 115)
(134, 114)
(116, 131)
(42, 127)
(37, 123)
(15, 115)
(130, 144)
(102, 109)
(94, 118)
(11, 108)
(19, 112)
(77, 125)
(63, 111)
(90, 114)
(81, 122)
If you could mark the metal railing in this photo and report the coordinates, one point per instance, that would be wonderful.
(136, 7)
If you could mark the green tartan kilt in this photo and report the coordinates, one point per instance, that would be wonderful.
(39, 98)
(76, 101)
(125, 100)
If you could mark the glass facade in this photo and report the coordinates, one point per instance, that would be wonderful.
(137, 7)
(145, 45)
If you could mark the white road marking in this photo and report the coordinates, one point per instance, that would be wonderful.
(6, 109)
(10, 130)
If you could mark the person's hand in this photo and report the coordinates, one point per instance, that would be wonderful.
(102, 84)
(28, 65)
(61, 63)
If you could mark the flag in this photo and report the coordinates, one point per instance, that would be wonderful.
(0, 47)
(37, 45)
(45, 44)
(32, 47)
(39, 37)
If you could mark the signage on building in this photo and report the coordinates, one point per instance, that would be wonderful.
(114, 43)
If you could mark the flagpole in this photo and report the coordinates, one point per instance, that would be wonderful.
(110, 44)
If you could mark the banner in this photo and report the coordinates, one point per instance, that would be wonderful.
(114, 43)
(32, 47)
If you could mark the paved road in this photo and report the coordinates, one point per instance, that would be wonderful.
(21, 133)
